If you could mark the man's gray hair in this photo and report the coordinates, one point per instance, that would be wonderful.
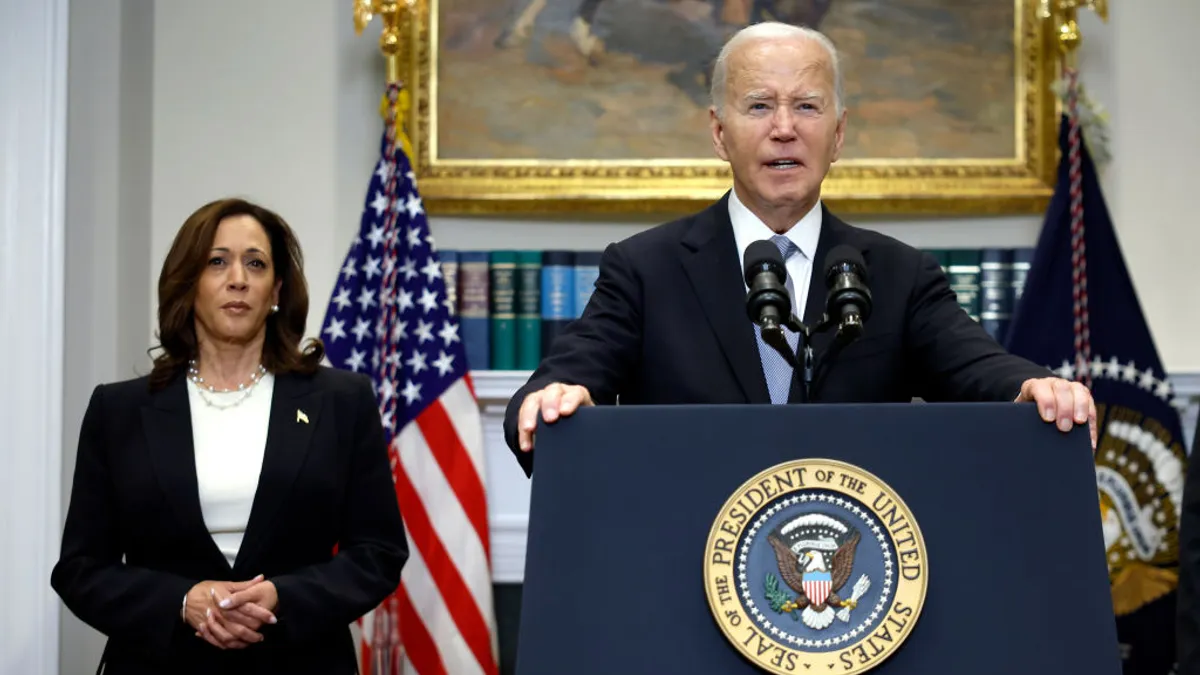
(772, 30)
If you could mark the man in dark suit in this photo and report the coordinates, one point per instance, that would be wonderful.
(667, 323)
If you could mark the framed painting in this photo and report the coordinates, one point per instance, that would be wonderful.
(601, 106)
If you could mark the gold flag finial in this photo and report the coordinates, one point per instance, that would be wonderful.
(391, 14)
(1063, 18)
(395, 15)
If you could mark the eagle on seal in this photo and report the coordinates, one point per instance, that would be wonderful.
(817, 584)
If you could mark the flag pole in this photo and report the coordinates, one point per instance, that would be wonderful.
(391, 14)
(395, 16)
(1062, 16)
(382, 650)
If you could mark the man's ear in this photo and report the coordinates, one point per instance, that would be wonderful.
(718, 133)
(839, 136)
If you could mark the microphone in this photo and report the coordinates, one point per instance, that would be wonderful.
(768, 302)
(848, 302)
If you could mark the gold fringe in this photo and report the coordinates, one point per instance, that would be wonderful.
(403, 102)
(1138, 585)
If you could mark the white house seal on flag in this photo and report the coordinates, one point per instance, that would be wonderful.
(1139, 475)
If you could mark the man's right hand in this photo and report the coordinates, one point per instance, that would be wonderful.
(554, 401)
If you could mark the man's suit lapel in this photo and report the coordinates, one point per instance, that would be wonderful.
(167, 421)
(711, 263)
(295, 414)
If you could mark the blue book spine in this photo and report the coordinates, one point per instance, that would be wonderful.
(587, 270)
(1022, 258)
(558, 294)
(473, 305)
(995, 290)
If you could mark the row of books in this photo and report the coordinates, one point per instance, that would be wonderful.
(988, 283)
(512, 303)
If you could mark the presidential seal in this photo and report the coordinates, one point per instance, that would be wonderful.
(815, 565)
(1140, 467)
(1139, 473)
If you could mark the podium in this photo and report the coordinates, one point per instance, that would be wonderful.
(891, 538)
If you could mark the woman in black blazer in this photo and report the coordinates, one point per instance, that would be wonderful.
(234, 511)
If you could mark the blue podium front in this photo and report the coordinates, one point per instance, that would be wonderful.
(894, 539)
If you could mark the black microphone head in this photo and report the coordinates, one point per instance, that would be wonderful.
(768, 303)
(842, 259)
(762, 256)
(849, 299)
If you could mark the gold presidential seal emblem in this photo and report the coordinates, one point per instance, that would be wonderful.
(815, 565)
(1141, 463)
(1139, 472)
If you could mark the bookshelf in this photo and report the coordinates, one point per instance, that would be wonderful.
(513, 302)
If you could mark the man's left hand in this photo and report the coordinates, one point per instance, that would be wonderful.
(1062, 401)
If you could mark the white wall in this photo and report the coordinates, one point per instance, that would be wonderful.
(284, 111)
(245, 103)
(33, 111)
(1152, 84)
(109, 136)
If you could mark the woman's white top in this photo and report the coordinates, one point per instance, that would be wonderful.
(229, 444)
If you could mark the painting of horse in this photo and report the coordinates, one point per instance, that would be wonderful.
(629, 80)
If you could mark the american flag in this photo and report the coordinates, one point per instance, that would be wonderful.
(391, 317)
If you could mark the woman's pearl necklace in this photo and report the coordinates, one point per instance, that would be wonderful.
(244, 388)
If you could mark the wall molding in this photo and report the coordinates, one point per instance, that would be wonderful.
(509, 536)
(33, 120)
(508, 528)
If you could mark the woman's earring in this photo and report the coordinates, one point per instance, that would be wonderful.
(274, 308)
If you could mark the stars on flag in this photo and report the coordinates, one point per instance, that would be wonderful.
(1117, 371)
(390, 303)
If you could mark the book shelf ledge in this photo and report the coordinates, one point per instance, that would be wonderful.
(497, 386)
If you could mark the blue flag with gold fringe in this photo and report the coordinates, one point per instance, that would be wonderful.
(1079, 315)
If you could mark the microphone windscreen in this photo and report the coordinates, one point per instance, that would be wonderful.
(843, 255)
(763, 254)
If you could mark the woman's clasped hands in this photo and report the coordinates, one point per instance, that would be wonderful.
(229, 614)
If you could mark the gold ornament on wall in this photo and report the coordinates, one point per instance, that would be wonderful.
(1062, 15)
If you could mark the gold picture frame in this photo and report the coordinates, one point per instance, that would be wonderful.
(1017, 184)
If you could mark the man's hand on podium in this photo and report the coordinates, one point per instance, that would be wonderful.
(1060, 400)
(553, 401)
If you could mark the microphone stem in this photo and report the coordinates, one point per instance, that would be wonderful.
(808, 371)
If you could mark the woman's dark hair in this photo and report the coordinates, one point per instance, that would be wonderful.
(179, 279)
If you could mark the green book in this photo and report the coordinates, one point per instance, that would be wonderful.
(502, 267)
(529, 309)
(966, 279)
